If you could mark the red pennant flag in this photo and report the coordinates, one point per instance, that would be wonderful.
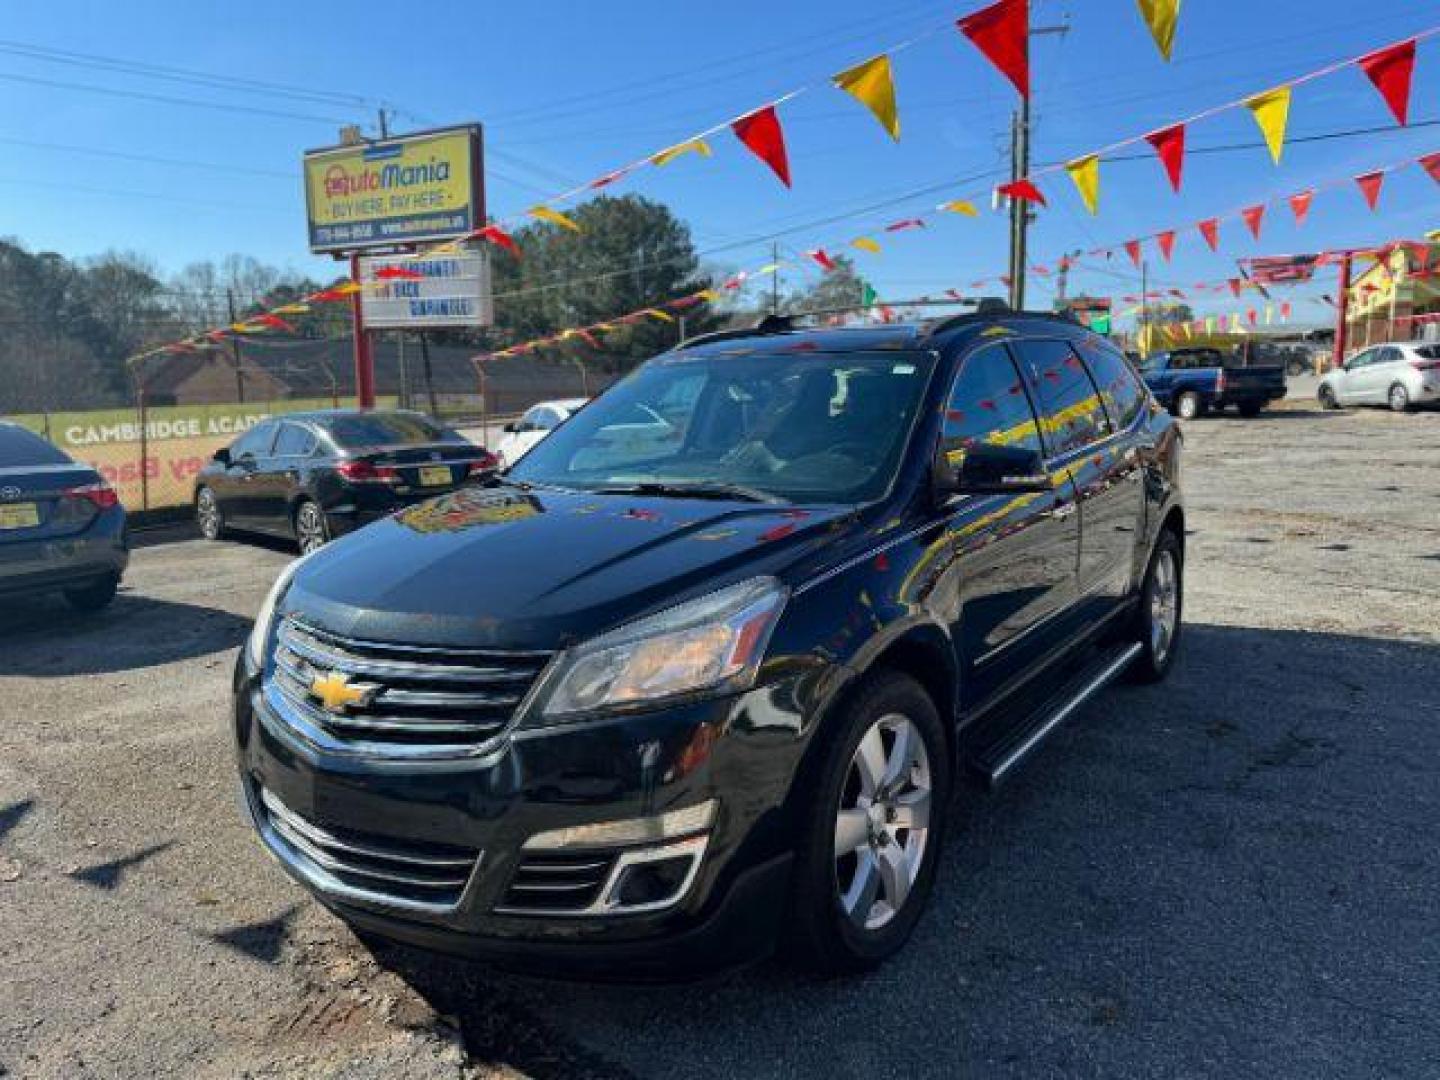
(1042, 270)
(1431, 164)
(498, 236)
(606, 180)
(589, 338)
(393, 273)
(1300, 205)
(822, 258)
(1370, 185)
(1023, 190)
(1253, 216)
(1390, 70)
(275, 322)
(1002, 32)
(908, 223)
(1285, 310)
(1166, 240)
(760, 132)
(1252, 317)
(1005, 280)
(1235, 285)
(1132, 248)
(1210, 230)
(1169, 143)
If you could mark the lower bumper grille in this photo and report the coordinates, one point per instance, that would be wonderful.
(401, 873)
(558, 883)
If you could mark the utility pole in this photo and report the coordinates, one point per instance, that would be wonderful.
(1062, 279)
(235, 346)
(1342, 311)
(1145, 302)
(384, 124)
(1020, 214)
(775, 278)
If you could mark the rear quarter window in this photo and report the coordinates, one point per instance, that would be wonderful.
(1120, 388)
(19, 447)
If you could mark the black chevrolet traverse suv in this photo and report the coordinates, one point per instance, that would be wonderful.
(701, 672)
(317, 475)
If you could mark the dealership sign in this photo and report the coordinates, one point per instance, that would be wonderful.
(434, 291)
(395, 191)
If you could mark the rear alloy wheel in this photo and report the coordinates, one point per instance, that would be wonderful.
(95, 596)
(1187, 406)
(1327, 399)
(866, 862)
(1399, 398)
(312, 531)
(1157, 622)
(209, 516)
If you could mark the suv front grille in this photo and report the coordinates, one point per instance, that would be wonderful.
(547, 884)
(404, 873)
(432, 699)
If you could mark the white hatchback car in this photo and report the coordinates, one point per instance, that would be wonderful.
(1399, 375)
(539, 420)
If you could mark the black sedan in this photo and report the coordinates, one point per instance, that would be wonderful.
(62, 528)
(315, 476)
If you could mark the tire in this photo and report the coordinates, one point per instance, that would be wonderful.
(842, 906)
(1158, 649)
(1398, 398)
(95, 596)
(208, 515)
(310, 526)
(1328, 401)
(1188, 406)
(1250, 410)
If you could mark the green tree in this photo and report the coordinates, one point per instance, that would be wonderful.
(630, 253)
(842, 287)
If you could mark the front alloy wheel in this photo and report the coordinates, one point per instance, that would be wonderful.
(311, 529)
(1399, 398)
(208, 515)
(883, 822)
(872, 828)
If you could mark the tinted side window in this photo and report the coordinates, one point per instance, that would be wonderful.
(1072, 415)
(294, 441)
(1365, 359)
(255, 442)
(1120, 387)
(989, 404)
(21, 447)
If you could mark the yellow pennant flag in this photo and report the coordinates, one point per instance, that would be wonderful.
(1210, 324)
(544, 213)
(292, 309)
(1269, 314)
(960, 206)
(656, 313)
(1161, 16)
(1272, 112)
(708, 295)
(1189, 331)
(689, 146)
(770, 269)
(1086, 174)
(346, 288)
(864, 243)
(873, 85)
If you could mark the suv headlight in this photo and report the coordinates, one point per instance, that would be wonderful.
(265, 618)
(712, 644)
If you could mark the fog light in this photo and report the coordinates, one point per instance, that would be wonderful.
(691, 819)
(649, 879)
(651, 883)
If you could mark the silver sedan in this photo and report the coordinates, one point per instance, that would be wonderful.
(1400, 375)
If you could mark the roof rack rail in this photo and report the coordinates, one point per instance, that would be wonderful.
(991, 307)
(768, 324)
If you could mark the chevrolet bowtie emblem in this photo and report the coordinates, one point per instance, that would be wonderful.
(336, 692)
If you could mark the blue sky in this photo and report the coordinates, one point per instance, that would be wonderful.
(569, 90)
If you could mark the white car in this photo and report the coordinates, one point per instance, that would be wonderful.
(1399, 375)
(539, 420)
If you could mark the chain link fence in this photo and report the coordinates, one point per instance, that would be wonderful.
(182, 407)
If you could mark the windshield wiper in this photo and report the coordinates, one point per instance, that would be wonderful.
(727, 492)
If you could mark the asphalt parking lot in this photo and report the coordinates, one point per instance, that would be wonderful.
(1234, 873)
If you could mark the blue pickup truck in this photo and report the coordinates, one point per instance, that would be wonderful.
(1191, 382)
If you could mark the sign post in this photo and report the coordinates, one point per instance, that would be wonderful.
(392, 194)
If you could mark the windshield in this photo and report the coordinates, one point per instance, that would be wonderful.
(816, 427)
(387, 429)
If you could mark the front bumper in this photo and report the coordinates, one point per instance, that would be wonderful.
(741, 752)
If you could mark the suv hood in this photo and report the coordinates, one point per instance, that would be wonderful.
(543, 569)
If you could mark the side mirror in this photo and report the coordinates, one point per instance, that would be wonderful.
(222, 456)
(511, 428)
(988, 468)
